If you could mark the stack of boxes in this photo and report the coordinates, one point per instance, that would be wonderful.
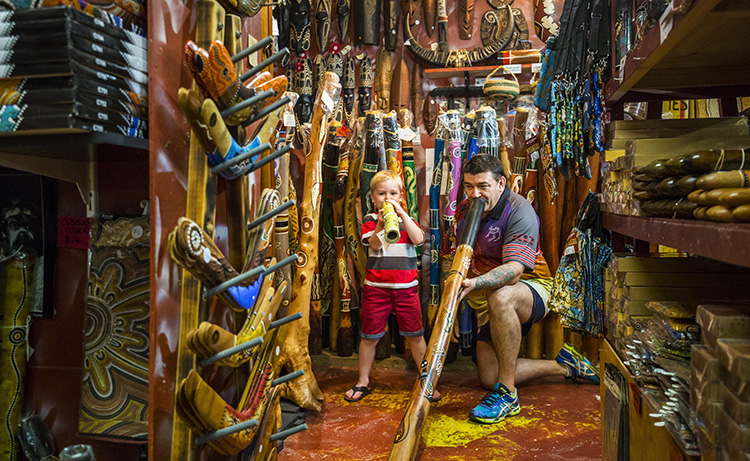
(720, 371)
(634, 143)
(62, 69)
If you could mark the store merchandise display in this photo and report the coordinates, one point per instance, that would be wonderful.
(66, 69)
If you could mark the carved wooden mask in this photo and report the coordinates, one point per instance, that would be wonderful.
(365, 86)
(366, 17)
(300, 21)
(465, 19)
(322, 22)
(391, 12)
(400, 88)
(430, 112)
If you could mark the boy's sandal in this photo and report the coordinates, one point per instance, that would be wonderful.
(363, 390)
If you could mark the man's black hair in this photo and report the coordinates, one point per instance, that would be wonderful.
(483, 163)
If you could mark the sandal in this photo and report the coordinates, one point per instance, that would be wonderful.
(363, 390)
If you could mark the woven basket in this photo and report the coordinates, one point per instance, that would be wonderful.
(501, 88)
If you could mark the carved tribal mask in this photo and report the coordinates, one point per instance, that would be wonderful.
(300, 21)
(304, 86)
(365, 86)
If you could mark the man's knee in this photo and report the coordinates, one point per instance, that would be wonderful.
(504, 298)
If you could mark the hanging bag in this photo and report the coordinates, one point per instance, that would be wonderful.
(501, 88)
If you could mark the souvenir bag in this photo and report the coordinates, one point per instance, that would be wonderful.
(501, 88)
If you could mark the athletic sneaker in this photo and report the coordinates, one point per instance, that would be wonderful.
(496, 405)
(578, 367)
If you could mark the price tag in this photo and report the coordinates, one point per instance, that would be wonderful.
(73, 232)
(665, 25)
(405, 134)
(513, 68)
(479, 81)
(288, 118)
(533, 157)
(275, 28)
(536, 67)
(327, 101)
(417, 141)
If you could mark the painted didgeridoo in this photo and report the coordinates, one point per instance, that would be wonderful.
(453, 134)
(410, 430)
(373, 143)
(392, 143)
(437, 180)
(294, 352)
(355, 247)
(344, 340)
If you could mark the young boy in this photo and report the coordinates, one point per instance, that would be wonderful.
(391, 282)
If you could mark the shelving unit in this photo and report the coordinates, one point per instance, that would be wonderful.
(724, 242)
(705, 54)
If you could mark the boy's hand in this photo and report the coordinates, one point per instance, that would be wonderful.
(381, 219)
(397, 208)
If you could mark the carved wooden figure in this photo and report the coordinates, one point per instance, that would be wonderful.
(364, 93)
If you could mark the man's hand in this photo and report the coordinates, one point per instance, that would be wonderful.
(467, 286)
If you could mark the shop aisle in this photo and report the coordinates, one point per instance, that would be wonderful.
(559, 420)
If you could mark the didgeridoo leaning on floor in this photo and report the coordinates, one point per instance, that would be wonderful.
(410, 430)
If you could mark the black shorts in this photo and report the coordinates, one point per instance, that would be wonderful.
(537, 313)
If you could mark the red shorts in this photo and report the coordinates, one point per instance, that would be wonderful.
(377, 304)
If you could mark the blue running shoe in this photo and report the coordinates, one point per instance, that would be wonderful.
(496, 405)
(577, 365)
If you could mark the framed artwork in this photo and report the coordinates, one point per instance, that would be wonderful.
(28, 225)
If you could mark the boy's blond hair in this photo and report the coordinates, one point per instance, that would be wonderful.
(386, 175)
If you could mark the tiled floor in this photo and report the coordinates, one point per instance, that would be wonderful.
(559, 420)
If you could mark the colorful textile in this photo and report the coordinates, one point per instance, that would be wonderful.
(15, 307)
(114, 395)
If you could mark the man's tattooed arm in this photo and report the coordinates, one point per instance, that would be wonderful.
(506, 274)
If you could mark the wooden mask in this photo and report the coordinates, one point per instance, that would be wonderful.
(365, 86)
(428, 14)
(400, 98)
(465, 19)
(343, 7)
(391, 12)
(347, 92)
(366, 16)
(322, 22)
(300, 21)
(304, 86)
(430, 112)
(281, 14)
(416, 90)
(383, 75)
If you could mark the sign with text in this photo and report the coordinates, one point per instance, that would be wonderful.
(73, 232)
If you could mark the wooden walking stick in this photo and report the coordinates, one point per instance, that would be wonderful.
(409, 431)
(294, 352)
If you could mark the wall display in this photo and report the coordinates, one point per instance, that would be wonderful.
(322, 22)
(383, 76)
(391, 13)
(400, 87)
(454, 58)
(364, 94)
(465, 19)
(28, 226)
(116, 333)
(366, 17)
(300, 22)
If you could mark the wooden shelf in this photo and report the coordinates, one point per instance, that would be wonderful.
(721, 241)
(479, 71)
(707, 48)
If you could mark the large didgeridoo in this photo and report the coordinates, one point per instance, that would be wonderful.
(409, 431)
